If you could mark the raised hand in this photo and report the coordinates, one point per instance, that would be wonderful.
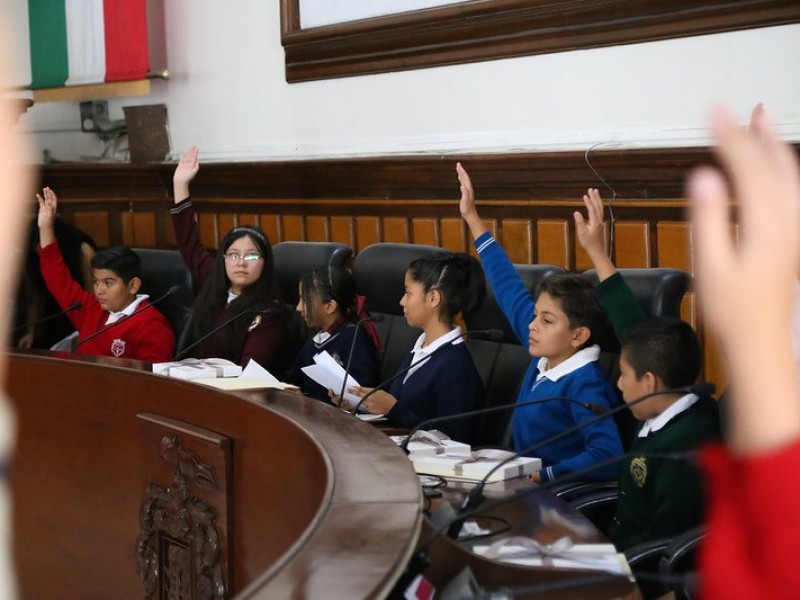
(748, 292)
(591, 234)
(466, 205)
(187, 168)
(48, 203)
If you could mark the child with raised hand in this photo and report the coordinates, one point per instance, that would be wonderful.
(619, 301)
(443, 379)
(328, 303)
(559, 328)
(747, 295)
(658, 497)
(238, 281)
(143, 333)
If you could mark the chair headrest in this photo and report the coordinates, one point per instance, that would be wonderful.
(659, 290)
(380, 270)
(293, 259)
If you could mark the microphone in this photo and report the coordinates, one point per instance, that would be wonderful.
(478, 334)
(74, 306)
(476, 496)
(203, 338)
(360, 322)
(101, 331)
(597, 409)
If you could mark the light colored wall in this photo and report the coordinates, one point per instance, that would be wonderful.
(228, 94)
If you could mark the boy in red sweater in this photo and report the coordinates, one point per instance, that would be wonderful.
(143, 333)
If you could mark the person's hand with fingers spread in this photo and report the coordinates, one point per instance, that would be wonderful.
(48, 204)
(747, 293)
(591, 234)
(186, 170)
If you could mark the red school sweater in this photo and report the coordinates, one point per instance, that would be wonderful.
(146, 335)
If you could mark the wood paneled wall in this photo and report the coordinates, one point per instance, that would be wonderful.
(527, 201)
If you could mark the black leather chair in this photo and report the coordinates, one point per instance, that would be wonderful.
(489, 316)
(293, 259)
(161, 269)
(379, 271)
(663, 557)
(659, 290)
(502, 365)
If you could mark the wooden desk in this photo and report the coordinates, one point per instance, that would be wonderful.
(539, 515)
(294, 498)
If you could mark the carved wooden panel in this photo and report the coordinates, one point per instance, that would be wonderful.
(95, 223)
(292, 228)
(395, 229)
(316, 229)
(184, 543)
(553, 243)
(271, 224)
(632, 244)
(453, 235)
(139, 229)
(368, 232)
(675, 245)
(518, 240)
(425, 231)
(207, 224)
(342, 230)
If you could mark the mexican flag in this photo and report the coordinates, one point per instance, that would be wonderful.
(79, 42)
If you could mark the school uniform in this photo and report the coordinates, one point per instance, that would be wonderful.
(444, 381)
(364, 365)
(663, 497)
(143, 333)
(265, 334)
(578, 378)
(750, 552)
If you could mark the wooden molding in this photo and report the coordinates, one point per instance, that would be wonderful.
(493, 29)
(552, 176)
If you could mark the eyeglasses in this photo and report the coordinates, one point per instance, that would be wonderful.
(235, 257)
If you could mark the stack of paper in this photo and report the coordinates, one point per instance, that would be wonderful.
(528, 552)
(476, 466)
(222, 374)
(432, 443)
(198, 368)
(330, 375)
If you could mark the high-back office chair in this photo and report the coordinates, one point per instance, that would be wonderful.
(161, 269)
(293, 259)
(660, 292)
(502, 365)
(379, 271)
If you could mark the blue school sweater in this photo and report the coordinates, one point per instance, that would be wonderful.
(446, 384)
(364, 366)
(532, 424)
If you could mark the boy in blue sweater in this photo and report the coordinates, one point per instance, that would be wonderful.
(558, 329)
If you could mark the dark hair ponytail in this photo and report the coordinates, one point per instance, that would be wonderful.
(459, 279)
(330, 282)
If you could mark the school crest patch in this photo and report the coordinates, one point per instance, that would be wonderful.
(118, 347)
(256, 322)
(639, 471)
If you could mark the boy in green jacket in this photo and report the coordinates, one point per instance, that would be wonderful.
(659, 497)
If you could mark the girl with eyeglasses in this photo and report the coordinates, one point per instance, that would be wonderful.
(329, 304)
(238, 281)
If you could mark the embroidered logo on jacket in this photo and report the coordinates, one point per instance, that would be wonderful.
(639, 471)
(256, 322)
(118, 347)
